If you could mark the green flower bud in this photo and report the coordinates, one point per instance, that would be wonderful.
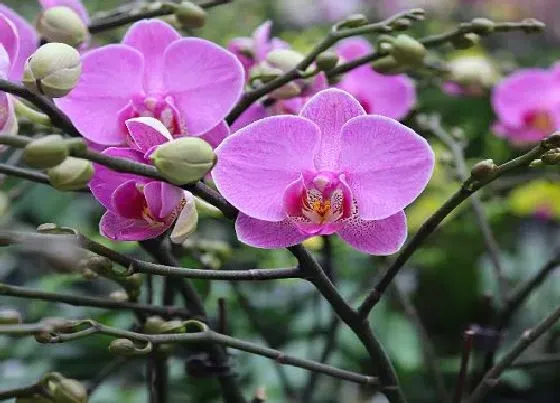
(407, 50)
(53, 70)
(326, 61)
(264, 73)
(72, 174)
(10, 317)
(154, 325)
(172, 326)
(119, 296)
(284, 59)
(62, 24)
(401, 24)
(69, 391)
(45, 152)
(127, 348)
(195, 326)
(482, 26)
(465, 41)
(190, 15)
(134, 281)
(387, 65)
(184, 160)
(483, 169)
(353, 21)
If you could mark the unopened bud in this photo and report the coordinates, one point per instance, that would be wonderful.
(195, 326)
(483, 169)
(154, 325)
(72, 174)
(387, 65)
(43, 337)
(127, 348)
(326, 61)
(184, 160)
(482, 26)
(119, 296)
(190, 15)
(401, 24)
(264, 73)
(134, 281)
(69, 391)
(284, 59)
(407, 50)
(45, 152)
(532, 25)
(62, 24)
(10, 317)
(465, 41)
(53, 70)
(353, 21)
(172, 326)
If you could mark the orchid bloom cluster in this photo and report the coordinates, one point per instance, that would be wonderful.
(323, 161)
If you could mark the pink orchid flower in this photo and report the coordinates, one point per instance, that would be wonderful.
(253, 50)
(388, 95)
(17, 41)
(333, 169)
(140, 208)
(527, 104)
(189, 84)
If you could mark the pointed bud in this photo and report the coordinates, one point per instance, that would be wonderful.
(482, 26)
(53, 70)
(72, 174)
(127, 348)
(10, 317)
(326, 61)
(353, 21)
(190, 15)
(69, 391)
(62, 24)
(45, 152)
(483, 169)
(284, 59)
(465, 41)
(407, 50)
(184, 160)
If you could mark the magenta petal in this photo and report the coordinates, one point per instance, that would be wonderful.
(205, 81)
(162, 198)
(75, 5)
(352, 48)
(27, 42)
(522, 91)
(147, 132)
(380, 237)
(119, 228)
(110, 78)
(151, 38)
(128, 201)
(252, 114)
(105, 181)
(387, 165)
(262, 40)
(267, 234)
(8, 121)
(9, 40)
(330, 110)
(257, 163)
(216, 135)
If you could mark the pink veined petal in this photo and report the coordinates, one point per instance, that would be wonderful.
(162, 198)
(387, 165)
(522, 91)
(151, 38)
(9, 40)
(128, 201)
(216, 135)
(262, 40)
(110, 77)
(267, 234)
(147, 132)
(119, 228)
(257, 163)
(27, 42)
(252, 114)
(8, 121)
(105, 181)
(380, 237)
(75, 5)
(205, 81)
(330, 109)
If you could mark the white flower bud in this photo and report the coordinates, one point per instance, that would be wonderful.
(53, 70)
(71, 174)
(62, 24)
(45, 152)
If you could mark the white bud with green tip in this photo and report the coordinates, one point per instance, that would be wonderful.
(62, 24)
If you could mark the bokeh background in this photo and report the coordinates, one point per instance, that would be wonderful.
(449, 280)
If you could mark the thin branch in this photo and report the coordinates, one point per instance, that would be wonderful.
(537, 361)
(467, 189)
(105, 24)
(96, 302)
(23, 173)
(460, 386)
(492, 377)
